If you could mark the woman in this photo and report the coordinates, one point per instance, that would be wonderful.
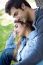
(13, 50)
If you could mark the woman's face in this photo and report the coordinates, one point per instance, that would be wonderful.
(19, 28)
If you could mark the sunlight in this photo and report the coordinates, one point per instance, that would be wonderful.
(2, 4)
(7, 20)
(32, 3)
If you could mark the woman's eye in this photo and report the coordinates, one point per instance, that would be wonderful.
(16, 26)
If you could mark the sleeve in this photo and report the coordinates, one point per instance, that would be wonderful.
(10, 43)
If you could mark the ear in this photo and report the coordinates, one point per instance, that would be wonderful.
(23, 6)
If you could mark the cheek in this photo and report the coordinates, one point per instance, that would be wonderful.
(18, 30)
(21, 31)
(20, 14)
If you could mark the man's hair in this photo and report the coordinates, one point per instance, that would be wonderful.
(16, 4)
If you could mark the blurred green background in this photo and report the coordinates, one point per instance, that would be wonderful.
(5, 30)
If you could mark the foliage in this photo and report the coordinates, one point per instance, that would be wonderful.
(4, 34)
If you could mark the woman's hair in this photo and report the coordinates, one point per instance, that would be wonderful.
(28, 24)
(16, 4)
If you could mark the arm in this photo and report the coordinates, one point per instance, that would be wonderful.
(8, 52)
(9, 42)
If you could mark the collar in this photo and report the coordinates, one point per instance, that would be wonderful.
(32, 35)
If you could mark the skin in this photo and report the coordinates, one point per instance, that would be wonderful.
(24, 14)
(21, 29)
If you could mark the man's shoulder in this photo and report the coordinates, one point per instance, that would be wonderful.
(39, 12)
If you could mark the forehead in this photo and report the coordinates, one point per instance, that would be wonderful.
(19, 24)
(13, 9)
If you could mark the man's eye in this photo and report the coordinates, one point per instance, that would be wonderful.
(15, 14)
(16, 26)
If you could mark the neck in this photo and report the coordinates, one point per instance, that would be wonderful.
(27, 32)
(31, 14)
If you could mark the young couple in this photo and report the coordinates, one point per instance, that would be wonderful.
(29, 28)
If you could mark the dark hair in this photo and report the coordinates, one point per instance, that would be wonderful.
(16, 4)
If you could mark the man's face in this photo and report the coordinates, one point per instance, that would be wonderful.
(19, 14)
(19, 28)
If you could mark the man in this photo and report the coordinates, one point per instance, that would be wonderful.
(33, 51)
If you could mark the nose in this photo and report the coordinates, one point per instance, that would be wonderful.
(16, 20)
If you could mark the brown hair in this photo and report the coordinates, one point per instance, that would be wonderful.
(28, 24)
